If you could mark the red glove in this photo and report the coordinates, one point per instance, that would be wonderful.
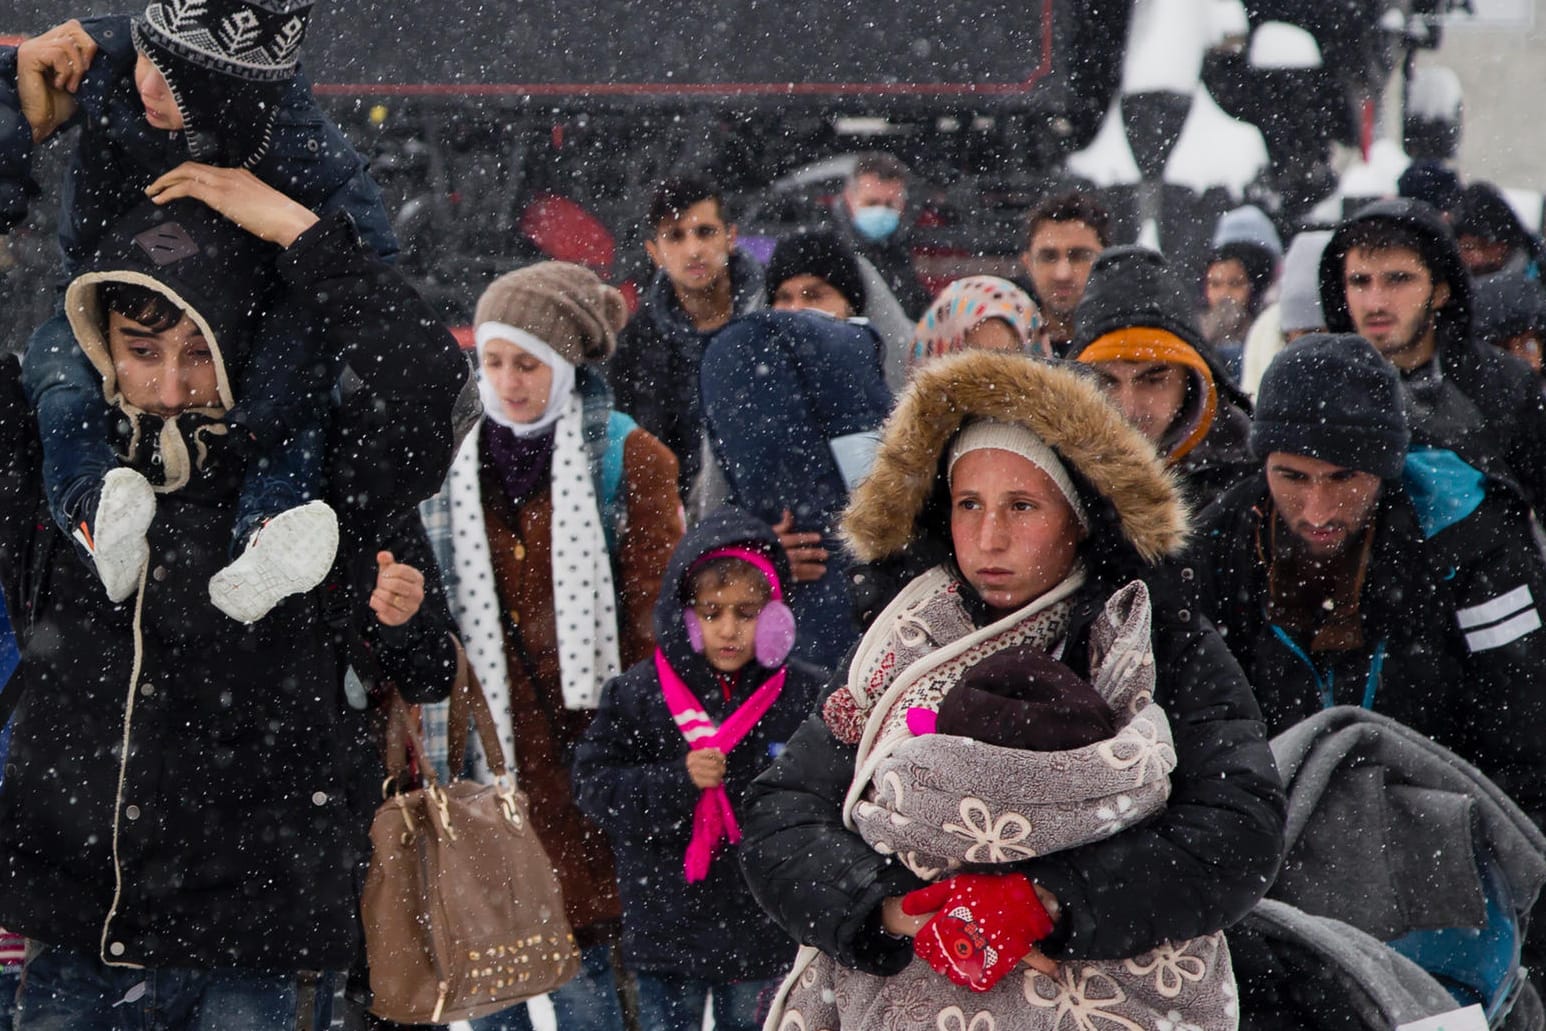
(985, 925)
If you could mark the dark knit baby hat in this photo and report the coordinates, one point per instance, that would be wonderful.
(820, 253)
(228, 64)
(1024, 698)
(1333, 397)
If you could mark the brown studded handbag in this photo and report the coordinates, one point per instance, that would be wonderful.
(461, 908)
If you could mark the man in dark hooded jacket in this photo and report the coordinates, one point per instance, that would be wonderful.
(1350, 572)
(1490, 235)
(181, 822)
(1511, 316)
(1392, 273)
(1135, 327)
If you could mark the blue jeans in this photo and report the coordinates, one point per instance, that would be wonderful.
(70, 990)
(671, 1002)
(74, 425)
(587, 1003)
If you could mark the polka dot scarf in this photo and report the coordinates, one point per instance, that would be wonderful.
(584, 602)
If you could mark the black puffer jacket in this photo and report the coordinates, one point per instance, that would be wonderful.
(1192, 870)
(1480, 691)
(182, 790)
(630, 776)
(1502, 430)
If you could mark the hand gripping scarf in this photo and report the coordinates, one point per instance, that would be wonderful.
(713, 820)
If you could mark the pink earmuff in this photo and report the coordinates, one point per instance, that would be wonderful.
(774, 636)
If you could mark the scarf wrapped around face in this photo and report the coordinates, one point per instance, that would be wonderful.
(939, 802)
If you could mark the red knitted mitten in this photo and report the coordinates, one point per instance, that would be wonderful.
(985, 925)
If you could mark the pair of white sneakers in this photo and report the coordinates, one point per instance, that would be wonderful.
(289, 554)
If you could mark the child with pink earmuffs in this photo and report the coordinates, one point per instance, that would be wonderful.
(675, 742)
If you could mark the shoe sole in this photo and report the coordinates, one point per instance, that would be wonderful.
(291, 554)
(124, 514)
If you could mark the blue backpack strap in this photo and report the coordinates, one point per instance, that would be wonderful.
(610, 496)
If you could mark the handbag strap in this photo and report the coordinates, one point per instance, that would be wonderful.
(468, 702)
(402, 728)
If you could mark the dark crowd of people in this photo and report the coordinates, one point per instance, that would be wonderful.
(869, 658)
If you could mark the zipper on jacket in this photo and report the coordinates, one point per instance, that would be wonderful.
(1325, 684)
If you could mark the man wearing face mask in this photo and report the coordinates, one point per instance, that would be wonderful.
(873, 204)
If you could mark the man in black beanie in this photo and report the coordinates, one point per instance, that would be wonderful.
(1349, 571)
(815, 271)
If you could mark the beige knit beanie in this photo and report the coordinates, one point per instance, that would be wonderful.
(565, 306)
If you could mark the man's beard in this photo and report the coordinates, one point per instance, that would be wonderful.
(1423, 327)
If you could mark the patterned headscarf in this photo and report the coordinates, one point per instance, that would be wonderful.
(966, 304)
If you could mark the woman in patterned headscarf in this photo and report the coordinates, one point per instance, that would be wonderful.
(982, 312)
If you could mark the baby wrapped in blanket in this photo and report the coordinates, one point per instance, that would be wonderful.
(978, 749)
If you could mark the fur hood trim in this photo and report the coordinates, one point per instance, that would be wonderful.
(1053, 401)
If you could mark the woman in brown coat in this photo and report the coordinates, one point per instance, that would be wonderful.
(560, 515)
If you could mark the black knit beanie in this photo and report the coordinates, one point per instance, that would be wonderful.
(1333, 397)
(228, 64)
(820, 253)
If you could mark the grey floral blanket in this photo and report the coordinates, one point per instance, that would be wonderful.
(940, 803)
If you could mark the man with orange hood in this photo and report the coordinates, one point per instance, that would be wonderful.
(1135, 328)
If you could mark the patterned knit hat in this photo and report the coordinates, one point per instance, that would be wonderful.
(563, 305)
(227, 64)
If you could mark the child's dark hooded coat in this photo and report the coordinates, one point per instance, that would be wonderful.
(630, 776)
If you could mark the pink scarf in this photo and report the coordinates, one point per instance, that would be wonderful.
(713, 818)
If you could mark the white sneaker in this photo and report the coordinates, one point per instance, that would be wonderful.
(289, 554)
(118, 548)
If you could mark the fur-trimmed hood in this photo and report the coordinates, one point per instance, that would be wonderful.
(891, 511)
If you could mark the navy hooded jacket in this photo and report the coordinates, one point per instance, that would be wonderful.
(783, 394)
(630, 776)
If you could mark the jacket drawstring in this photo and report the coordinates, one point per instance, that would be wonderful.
(123, 770)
